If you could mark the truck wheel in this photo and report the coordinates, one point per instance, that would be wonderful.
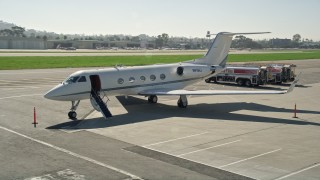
(248, 83)
(240, 82)
(207, 80)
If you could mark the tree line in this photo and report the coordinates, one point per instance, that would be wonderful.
(15, 31)
(165, 41)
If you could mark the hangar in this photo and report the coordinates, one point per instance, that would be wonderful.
(95, 44)
(22, 43)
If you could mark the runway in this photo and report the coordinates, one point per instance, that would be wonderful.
(216, 137)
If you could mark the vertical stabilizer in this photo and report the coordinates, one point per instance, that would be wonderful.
(218, 52)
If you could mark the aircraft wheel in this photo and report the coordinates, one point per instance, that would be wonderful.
(153, 99)
(72, 115)
(181, 104)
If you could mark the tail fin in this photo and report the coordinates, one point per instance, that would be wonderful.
(218, 52)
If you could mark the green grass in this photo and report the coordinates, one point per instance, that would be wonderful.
(37, 62)
(274, 56)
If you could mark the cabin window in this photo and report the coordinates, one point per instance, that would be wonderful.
(82, 79)
(131, 79)
(153, 77)
(142, 78)
(162, 76)
(120, 80)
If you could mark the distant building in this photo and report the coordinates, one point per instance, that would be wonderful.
(310, 45)
(280, 43)
(22, 43)
(96, 44)
(80, 44)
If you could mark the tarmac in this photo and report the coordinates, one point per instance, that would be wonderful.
(216, 137)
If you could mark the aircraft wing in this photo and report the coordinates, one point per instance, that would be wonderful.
(205, 92)
(214, 92)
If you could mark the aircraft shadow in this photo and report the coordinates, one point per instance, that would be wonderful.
(140, 111)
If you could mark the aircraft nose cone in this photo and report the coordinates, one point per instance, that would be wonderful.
(48, 95)
(54, 93)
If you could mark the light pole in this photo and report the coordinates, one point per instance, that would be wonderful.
(208, 36)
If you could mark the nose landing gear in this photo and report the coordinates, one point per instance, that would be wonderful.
(74, 105)
(72, 115)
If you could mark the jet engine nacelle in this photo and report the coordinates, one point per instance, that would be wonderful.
(180, 70)
(192, 71)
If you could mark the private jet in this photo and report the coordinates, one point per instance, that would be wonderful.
(150, 81)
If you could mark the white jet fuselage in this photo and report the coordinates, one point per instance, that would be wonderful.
(131, 80)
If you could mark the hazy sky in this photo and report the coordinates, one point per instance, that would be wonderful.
(189, 18)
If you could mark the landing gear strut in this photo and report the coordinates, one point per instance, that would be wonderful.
(153, 99)
(183, 101)
(74, 105)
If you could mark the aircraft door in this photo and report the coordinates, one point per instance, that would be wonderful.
(95, 83)
(95, 99)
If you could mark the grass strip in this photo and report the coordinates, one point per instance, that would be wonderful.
(40, 62)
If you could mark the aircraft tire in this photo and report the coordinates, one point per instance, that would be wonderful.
(181, 104)
(72, 115)
(153, 99)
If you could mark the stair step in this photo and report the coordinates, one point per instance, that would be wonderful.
(104, 110)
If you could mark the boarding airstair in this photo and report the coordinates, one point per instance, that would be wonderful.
(99, 104)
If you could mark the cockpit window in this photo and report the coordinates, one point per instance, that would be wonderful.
(82, 79)
(71, 80)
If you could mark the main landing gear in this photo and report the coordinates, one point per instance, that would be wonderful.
(74, 105)
(183, 101)
(153, 99)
